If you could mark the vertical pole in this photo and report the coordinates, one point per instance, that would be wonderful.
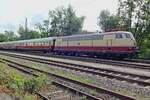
(26, 23)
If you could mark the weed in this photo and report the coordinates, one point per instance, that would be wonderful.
(93, 92)
(13, 80)
(34, 83)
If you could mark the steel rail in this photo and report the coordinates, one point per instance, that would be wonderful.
(92, 70)
(11, 64)
(97, 60)
(90, 86)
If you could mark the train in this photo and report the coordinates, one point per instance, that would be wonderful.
(117, 44)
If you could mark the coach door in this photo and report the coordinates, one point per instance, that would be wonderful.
(108, 41)
(53, 45)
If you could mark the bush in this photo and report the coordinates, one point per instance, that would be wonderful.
(144, 52)
(14, 81)
(34, 84)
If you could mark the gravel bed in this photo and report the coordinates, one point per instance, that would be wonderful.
(49, 88)
(55, 92)
(104, 66)
(140, 92)
(93, 92)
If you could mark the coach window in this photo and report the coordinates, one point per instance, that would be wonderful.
(37, 43)
(119, 36)
(44, 43)
(101, 37)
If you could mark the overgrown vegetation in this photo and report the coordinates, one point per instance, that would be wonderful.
(19, 86)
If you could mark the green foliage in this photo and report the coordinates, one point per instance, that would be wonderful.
(44, 28)
(83, 98)
(4, 78)
(8, 36)
(107, 21)
(16, 82)
(2, 37)
(125, 13)
(34, 84)
(93, 92)
(33, 34)
(29, 97)
(13, 80)
(134, 16)
(22, 33)
(64, 21)
(29, 34)
(145, 48)
(61, 21)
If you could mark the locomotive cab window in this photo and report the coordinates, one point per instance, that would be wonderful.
(119, 36)
(127, 35)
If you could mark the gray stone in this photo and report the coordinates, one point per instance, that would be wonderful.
(4, 96)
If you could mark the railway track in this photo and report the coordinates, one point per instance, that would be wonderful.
(142, 64)
(31, 71)
(133, 63)
(60, 80)
(112, 74)
(139, 60)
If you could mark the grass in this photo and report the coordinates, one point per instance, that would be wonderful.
(19, 86)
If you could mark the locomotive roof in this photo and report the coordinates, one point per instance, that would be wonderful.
(95, 34)
(50, 38)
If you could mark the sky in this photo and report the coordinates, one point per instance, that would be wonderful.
(13, 12)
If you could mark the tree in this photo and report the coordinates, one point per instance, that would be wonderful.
(10, 36)
(29, 34)
(3, 38)
(33, 34)
(44, 28)
(107, 21)
(135, 16)
(125, 13)
(64, 21)
(137, 13)
(22, 33)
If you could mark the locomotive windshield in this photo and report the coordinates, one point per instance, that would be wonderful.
(130, 35)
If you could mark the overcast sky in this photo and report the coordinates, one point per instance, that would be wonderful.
(13, 12)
